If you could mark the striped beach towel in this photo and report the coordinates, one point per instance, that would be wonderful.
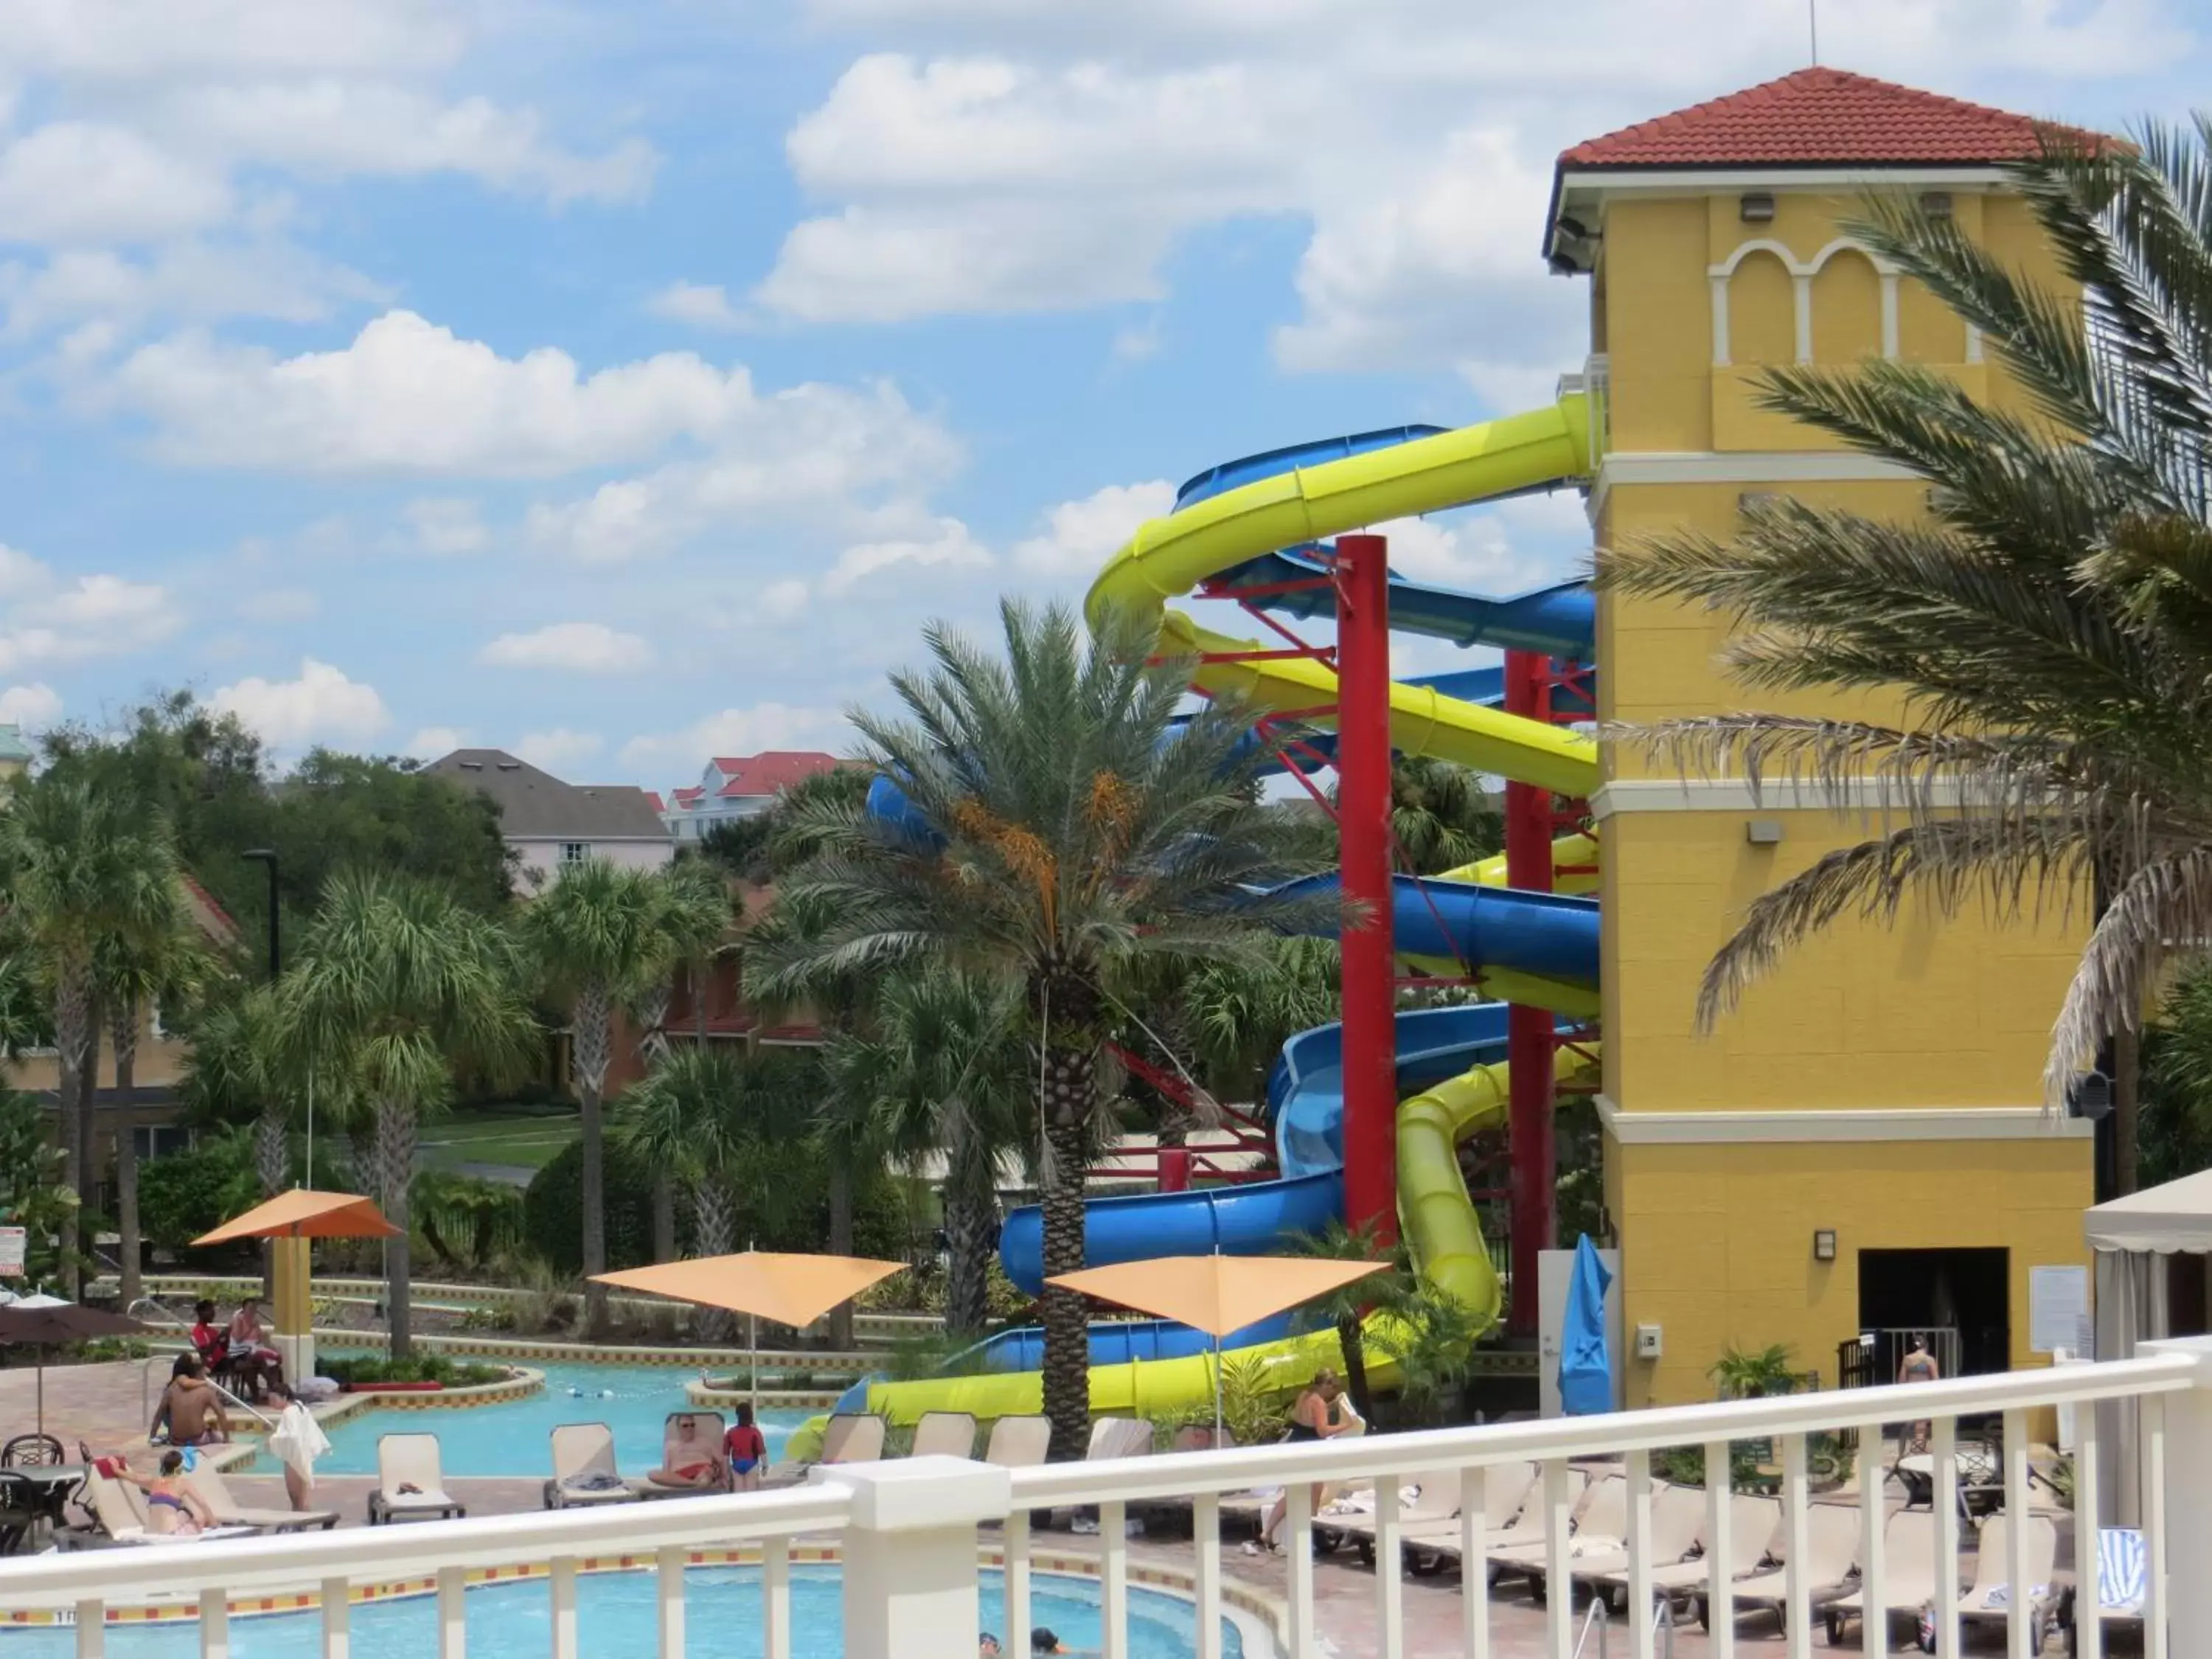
(2123, 1569)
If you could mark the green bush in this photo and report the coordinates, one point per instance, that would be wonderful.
(196, 1191)
(553, 1210)
(416, 1368)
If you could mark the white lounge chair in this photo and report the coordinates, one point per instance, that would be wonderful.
(121, 1510)
(703, 1444)
(1598, 1520)
(1831, 1537)
(1909, 1575)
(1019, 1443)
(1428, 1497)
(943, 1434)
(1678, 1514)
(206, 1481)
(1751, 1521)
(584, 1470)
(1989, 1600)
(410, 1485)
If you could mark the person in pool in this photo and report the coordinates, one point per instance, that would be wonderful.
(986, 1646)
(690, 1462)
(745, 1449)
(174, 1509)
(1042, 1641)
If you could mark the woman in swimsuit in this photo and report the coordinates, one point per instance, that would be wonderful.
(174, 1509)
(1918, 1366)
(745, 1449)
(1313, 1417)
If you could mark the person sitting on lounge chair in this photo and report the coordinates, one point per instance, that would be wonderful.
(690, 1462)
(174, 1509)
(260, 1366)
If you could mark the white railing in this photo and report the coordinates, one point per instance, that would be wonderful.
(909, 1534)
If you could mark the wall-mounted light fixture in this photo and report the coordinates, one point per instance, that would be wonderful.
(1756, 207)
(1763, 832)
(1824, 1244)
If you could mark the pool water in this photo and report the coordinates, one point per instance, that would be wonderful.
(617, 1618)
(516, 1439)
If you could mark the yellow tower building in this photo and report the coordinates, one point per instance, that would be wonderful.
(1861, 1146)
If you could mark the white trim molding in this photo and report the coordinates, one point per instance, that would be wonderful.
(1863, 794)
(1814, 1126)
(1747, 467)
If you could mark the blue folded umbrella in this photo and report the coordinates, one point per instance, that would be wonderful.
(1585, 1364)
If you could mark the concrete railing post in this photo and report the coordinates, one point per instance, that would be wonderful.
(2185, 1591)
(910, 1553)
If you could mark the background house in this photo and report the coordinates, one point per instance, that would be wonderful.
(549, 822)
(734, 787)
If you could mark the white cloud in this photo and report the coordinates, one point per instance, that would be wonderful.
(780, 601)
(160, 40)
(696, 305)
(738, 732)
(279, 604)
(991, 156)
(577, 648)
(446, 526)
(321, 705)
(410, 397)
(1081, 536)
(53, 621)
(333, 127)
(33, 706)
(559, 748)
(434, 741)
(79, 181)
(195, 279)
(949, 547)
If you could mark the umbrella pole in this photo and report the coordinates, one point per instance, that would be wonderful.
(1217, 1390)
(41, 1364)
(752, 1355)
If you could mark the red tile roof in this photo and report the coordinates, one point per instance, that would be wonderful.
(658, 805)
(1816, 117)
(686, 797)
(776, 768)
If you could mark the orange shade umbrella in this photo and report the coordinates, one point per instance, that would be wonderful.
(301, 1213)
(783, 1289)
(1216, 1294)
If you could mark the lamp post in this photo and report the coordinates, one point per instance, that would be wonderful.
(267, 856)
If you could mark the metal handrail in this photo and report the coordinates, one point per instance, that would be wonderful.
(146, 1365)
(1664, 1622)
(1596, 1620)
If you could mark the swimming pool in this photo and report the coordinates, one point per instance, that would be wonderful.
(514, 1438)
(617, 1619)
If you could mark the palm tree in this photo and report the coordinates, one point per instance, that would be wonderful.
(397, 987)
(839, 999)
(1064, 832)
(597, 934)
(1441, 817)
(945, 1068)
(2047, 621)
(696, 909)
(136, 972)
(687, 1118)
(81, 864)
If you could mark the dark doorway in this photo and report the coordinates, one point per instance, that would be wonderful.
(1968, 1291)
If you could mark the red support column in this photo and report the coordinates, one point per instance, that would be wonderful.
(1175, 1169)
(1363, 764)
(1528, 1030)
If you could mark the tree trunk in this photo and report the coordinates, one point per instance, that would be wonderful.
(395, 1169)
(840, 1244)
(1069, 1082)
(87, 1130)
(123, 1035)
(1349, 1339)
(271, 1164)
(2127, 1100)
(663, 1215)
(971, 1195)
(717, 1234)
(592, 1037)
(72, 1014)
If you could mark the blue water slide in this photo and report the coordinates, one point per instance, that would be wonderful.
(1305, 1086)
(1554, 934)
(1559, 621)
(1233, 1220)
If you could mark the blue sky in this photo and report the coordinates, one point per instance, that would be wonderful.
(622, 384)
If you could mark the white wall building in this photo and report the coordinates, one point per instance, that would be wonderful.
(550, 824)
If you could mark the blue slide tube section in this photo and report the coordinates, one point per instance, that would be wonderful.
(1559, 621)
(1554, 934)
(1234, 1220)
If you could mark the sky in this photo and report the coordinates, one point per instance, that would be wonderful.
(626, 383)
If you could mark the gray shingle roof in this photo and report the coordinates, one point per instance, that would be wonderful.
(535, 805)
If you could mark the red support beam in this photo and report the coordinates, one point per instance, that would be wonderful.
(1363, 765)
(1528, 1031)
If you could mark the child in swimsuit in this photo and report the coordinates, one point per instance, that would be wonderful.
(746, 1449)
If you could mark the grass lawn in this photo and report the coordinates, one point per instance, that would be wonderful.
(526, 1138)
